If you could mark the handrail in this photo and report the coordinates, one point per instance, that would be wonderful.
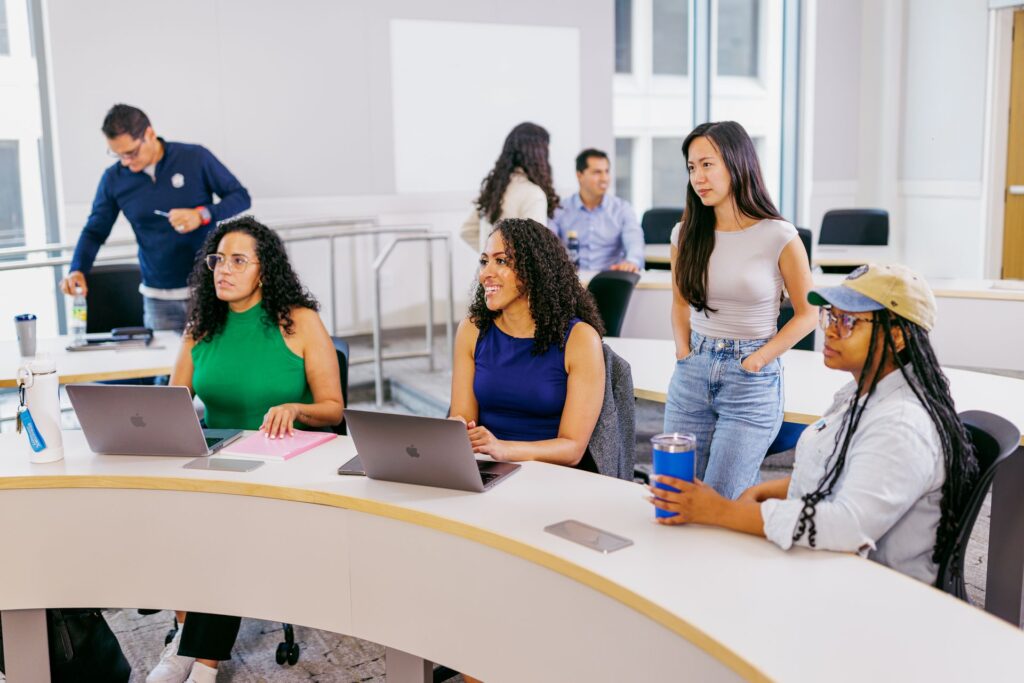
(343, 228)
(382, 257)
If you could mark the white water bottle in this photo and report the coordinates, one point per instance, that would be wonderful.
(79, 317)
(38, 379)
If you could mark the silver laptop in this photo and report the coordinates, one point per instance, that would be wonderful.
(428, 451)
(120, 419)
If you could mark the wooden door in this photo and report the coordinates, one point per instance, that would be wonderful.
(1013, 223)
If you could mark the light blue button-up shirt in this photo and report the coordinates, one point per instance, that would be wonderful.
(608, 235)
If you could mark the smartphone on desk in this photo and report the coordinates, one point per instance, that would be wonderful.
(353, 467)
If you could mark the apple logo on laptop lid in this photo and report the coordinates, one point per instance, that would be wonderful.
(137, 420)
(413, 453)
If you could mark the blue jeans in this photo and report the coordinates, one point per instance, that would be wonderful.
(163, 314)
(735, 414)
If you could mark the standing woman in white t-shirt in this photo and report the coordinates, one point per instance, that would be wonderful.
(519, 185)
(732, 255)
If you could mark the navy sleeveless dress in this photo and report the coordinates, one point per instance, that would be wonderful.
(520, 396)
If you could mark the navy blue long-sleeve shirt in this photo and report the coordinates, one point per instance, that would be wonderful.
(186, 177)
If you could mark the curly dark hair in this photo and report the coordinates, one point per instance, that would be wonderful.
(526, 147)
(282, 290)
(549, 280)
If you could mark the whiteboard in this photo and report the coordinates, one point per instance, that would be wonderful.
(458, 88)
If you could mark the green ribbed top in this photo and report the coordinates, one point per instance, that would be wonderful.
(244, 370)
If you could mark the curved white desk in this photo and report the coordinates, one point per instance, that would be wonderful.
(809, 388)
(470, 580)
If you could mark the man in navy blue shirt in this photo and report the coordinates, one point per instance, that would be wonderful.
(165, 190)
(610, 236)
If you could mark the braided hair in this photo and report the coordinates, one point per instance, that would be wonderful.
(526, 147)
(921, 369)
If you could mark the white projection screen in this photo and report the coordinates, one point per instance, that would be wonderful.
(458, 88)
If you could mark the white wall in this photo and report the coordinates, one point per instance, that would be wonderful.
(899, 106)
(298, 99)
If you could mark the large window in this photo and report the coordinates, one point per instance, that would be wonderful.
(668, 172)
(623, 168)
(670, 37)
(738, 37)
(24, 218)
(12, 221)
(623, 36)
(738, 77)
(5, 43)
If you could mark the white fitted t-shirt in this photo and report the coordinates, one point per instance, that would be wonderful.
(744, 281)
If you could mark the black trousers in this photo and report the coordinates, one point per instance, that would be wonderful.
(208, 636)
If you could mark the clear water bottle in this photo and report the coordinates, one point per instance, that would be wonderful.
(572, 245)
(79, 316)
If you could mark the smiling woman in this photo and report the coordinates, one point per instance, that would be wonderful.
(529, 369)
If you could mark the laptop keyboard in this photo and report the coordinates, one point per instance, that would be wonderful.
(211, 442)
(488, 477)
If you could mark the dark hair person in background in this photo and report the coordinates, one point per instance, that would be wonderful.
(887, 471)
(165, 190)
(528, 377)
(257, 354)
(732, 254)
(610, 236)
(519, 185)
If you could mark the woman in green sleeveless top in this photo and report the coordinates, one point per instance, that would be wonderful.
(257, 354)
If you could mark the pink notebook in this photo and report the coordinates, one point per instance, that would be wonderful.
(284, 448)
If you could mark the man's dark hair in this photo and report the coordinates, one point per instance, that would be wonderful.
(581, 158)
(124, 119)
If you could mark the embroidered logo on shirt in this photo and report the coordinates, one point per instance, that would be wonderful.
(178, 180)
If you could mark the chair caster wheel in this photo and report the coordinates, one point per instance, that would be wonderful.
(293, 654)
(282, 653)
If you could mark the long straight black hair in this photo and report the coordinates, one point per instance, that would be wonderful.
(697, 240)
(919, 366)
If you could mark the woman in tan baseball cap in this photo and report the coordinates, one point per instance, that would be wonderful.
(888, 469)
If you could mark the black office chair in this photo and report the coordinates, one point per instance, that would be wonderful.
(657, 224)
(995, 438)
(612, 290)
(113, 297)
(857, 227)
(786, 309)
(861, 227)
(341, 347)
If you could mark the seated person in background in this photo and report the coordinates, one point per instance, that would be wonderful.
(887, 471)
(606, 226)
(257, 354)
(528, 376)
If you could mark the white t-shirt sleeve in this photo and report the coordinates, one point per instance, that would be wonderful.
(673, 239)
(785, 233)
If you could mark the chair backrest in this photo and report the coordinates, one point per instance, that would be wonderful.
(657, 224)
(113, 297)
(807, 238)
(995, 438)
(612, 290)
(341, 348)
(865, 227)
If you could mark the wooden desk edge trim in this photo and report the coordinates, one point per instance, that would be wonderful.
(627, 597)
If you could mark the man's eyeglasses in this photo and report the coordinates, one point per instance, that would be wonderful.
(844, 322)
(234, 263)
(127, 156)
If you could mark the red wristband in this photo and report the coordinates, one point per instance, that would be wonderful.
(204, 214)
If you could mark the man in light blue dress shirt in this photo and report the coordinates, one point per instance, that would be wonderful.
(609, 234)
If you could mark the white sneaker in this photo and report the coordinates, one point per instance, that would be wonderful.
(172, 668)
(202, 674)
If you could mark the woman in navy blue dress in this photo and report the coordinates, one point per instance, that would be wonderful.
(528, 377)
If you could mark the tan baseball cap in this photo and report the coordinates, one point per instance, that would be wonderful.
(873, 287)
